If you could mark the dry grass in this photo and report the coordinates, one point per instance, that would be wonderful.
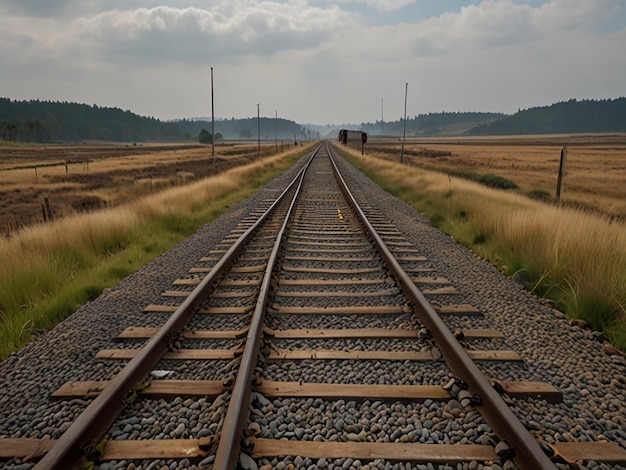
(595, 169)
(574, 257)
(48, 271)
(99, 176)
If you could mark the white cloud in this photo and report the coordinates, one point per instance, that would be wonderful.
(494, 55)
(166, 34)
(382, 5)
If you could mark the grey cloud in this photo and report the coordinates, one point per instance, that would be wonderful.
(168, 34)
(47, 8)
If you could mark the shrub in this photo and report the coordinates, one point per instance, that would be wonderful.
(539, 195)
(489, 180)
(465, 174)
(437, 220)
(497, 182)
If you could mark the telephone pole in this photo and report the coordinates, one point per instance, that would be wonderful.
(276, 130)
(406, 91)
(382, 117)
(258, 125)
(212, 119)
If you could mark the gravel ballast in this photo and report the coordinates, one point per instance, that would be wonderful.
(553, 351)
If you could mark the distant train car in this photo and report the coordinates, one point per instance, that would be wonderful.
(355, 139)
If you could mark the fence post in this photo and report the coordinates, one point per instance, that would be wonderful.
(559, 182)
(47, 212)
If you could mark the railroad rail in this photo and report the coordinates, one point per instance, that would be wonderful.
(315, 279)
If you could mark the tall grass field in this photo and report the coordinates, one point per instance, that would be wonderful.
(48, 271)
(574, 257)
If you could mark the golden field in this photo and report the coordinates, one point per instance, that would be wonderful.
(84, 178)
(573, 254)
(595, 170)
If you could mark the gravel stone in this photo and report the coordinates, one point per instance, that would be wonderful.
(568, 357)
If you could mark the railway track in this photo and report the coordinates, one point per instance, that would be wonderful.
(316, 332)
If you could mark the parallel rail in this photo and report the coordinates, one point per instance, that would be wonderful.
(77, 444)
(528, 454)
(69, 452)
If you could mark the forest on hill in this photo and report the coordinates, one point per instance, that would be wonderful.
(430, 124)
(248, 129)
(49, 121)
(566, 117)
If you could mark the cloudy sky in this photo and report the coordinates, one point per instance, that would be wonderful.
(313, 61)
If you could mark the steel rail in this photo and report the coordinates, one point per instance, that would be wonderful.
(528, 453)
(97, 418)
(227, 455)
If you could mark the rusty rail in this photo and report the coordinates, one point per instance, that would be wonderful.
(528, 453)
(236, 418)
(69, 451)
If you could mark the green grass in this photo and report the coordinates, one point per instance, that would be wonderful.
(8, 143)
(48, 272)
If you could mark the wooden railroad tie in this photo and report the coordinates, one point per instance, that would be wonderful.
(209, 311)
(277, 354)
(140, 332)
(269, 388)
(33, 449)
(332, 354)
(460, 310)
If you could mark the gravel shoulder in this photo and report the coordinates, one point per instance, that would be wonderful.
(568, 357)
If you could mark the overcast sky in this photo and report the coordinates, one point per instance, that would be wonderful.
(313, 61)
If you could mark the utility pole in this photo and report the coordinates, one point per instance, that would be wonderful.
(212, 119)
(382, 117)
(258, 125)
(276, 131)
(559, 182)
(406, 91)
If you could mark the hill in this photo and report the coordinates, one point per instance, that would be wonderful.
(567, 117)
(248, 129)
(421, 125)
(49, 121)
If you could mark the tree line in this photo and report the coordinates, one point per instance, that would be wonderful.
(248, 129)
(565, 117)
(420, 125)
(50, 121)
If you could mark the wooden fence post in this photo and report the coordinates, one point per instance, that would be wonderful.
(559, 182)
(45, 207)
